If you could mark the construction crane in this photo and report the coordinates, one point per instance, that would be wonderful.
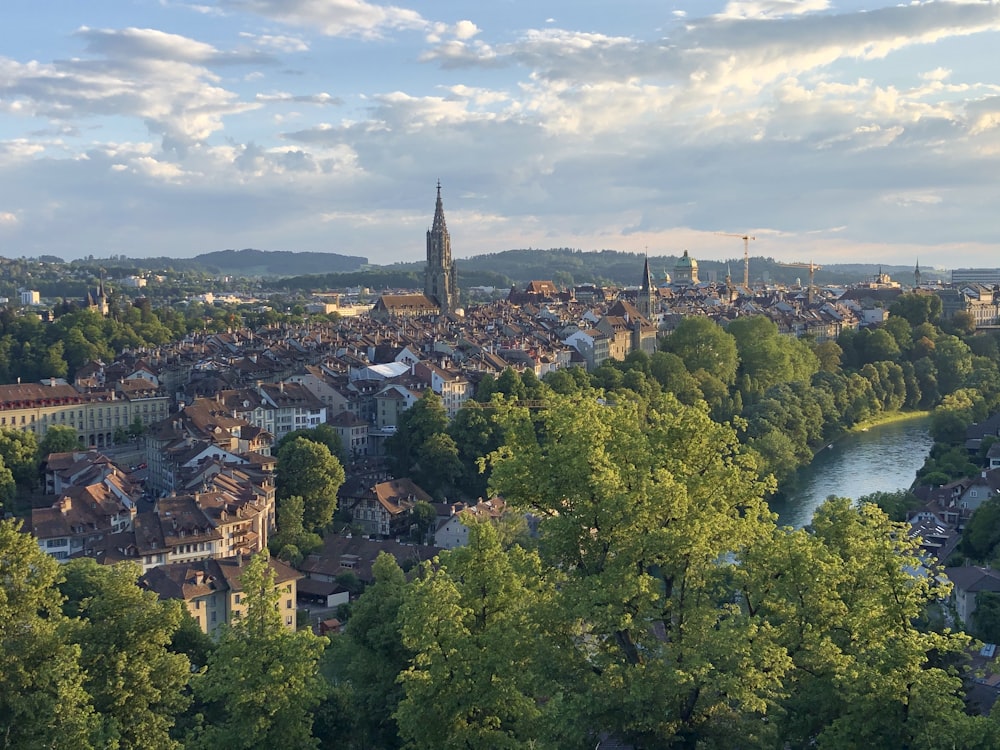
(746, 255)
(813, 268)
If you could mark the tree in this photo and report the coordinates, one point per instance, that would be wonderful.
(476, 433)
(307, 469)
(43, 703)
(370, 655)
(292, 541)
(844, 600)
(673, 376)
(262, 681)
(917, 308)
(137, 684)
(415, 425)
(640, 507)
(19, 451)
(768, 358)
(704, 345)
(437, 467)
(58, 439)
(982, 532)
(471, 622)
(324, 434)
(8, 487)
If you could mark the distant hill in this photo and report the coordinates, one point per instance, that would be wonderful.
(564, 266)
(247, 263)
(278, 263)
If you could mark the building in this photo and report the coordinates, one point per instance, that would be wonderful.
(645, 301)
(386, 509)
(440, 276)
(94, 414)
(213, 592)
(686, 271)
(30, 297)
(986, 276)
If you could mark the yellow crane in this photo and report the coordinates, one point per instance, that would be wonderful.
(813, 268)
(746, 255)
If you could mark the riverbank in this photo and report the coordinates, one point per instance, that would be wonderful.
(888, 418)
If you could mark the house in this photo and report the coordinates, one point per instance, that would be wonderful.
(967, 581)
(213, 592)
(453, 529)
(356, 555)
(385, 509)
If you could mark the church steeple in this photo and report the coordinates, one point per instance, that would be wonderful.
(916, 274)
(647, 292)
(440, 277)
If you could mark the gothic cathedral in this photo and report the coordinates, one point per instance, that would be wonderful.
(440, 277)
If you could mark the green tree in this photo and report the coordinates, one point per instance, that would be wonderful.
(292, 541)
(309, 470)
(844, 600)
(136, 682)
(43, 703)
(470, 620)
(58, 439)
(894, 504)
(262, 681)
(917, 308)
(19, 451)
(673, 376)
(415, 425)
(476, 433)
(8, 487)
(982, 532)
(704, 345)
(370, 656)
(640, 506)
(324, 434)
(438, 466)
(767, 358)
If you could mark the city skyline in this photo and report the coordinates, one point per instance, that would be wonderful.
(832, 132)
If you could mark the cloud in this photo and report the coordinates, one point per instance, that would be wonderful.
(8, 218)
(333, 17)
(321, 98)
(772, 8)
(277, 42)
(161, 79)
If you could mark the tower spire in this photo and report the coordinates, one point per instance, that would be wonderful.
(440, 276)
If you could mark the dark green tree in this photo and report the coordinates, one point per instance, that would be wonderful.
(262, 682)
(43, 703)
(309, 470)
(137, 684)
(58, 439)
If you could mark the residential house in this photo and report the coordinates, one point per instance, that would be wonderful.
(385, 509)
(212, 589)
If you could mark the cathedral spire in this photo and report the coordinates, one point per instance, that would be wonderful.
(439, 224)
(440, 276)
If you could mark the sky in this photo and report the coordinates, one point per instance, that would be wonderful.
(830, 132)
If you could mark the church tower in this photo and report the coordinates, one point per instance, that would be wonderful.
(916, 275)
(646, 300)
(440, 277)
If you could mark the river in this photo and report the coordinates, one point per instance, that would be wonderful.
(885, 458)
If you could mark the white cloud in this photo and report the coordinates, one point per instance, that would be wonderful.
(8, 218)
(278, 42)
(333, 17)
(772, 8)
(162, 79)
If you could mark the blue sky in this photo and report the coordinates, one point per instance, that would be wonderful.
(831, 131)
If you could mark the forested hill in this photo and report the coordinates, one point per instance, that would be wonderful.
(564, 266)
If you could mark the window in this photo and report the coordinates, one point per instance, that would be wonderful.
(288, 620)
(237, 599)
(288, 604)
